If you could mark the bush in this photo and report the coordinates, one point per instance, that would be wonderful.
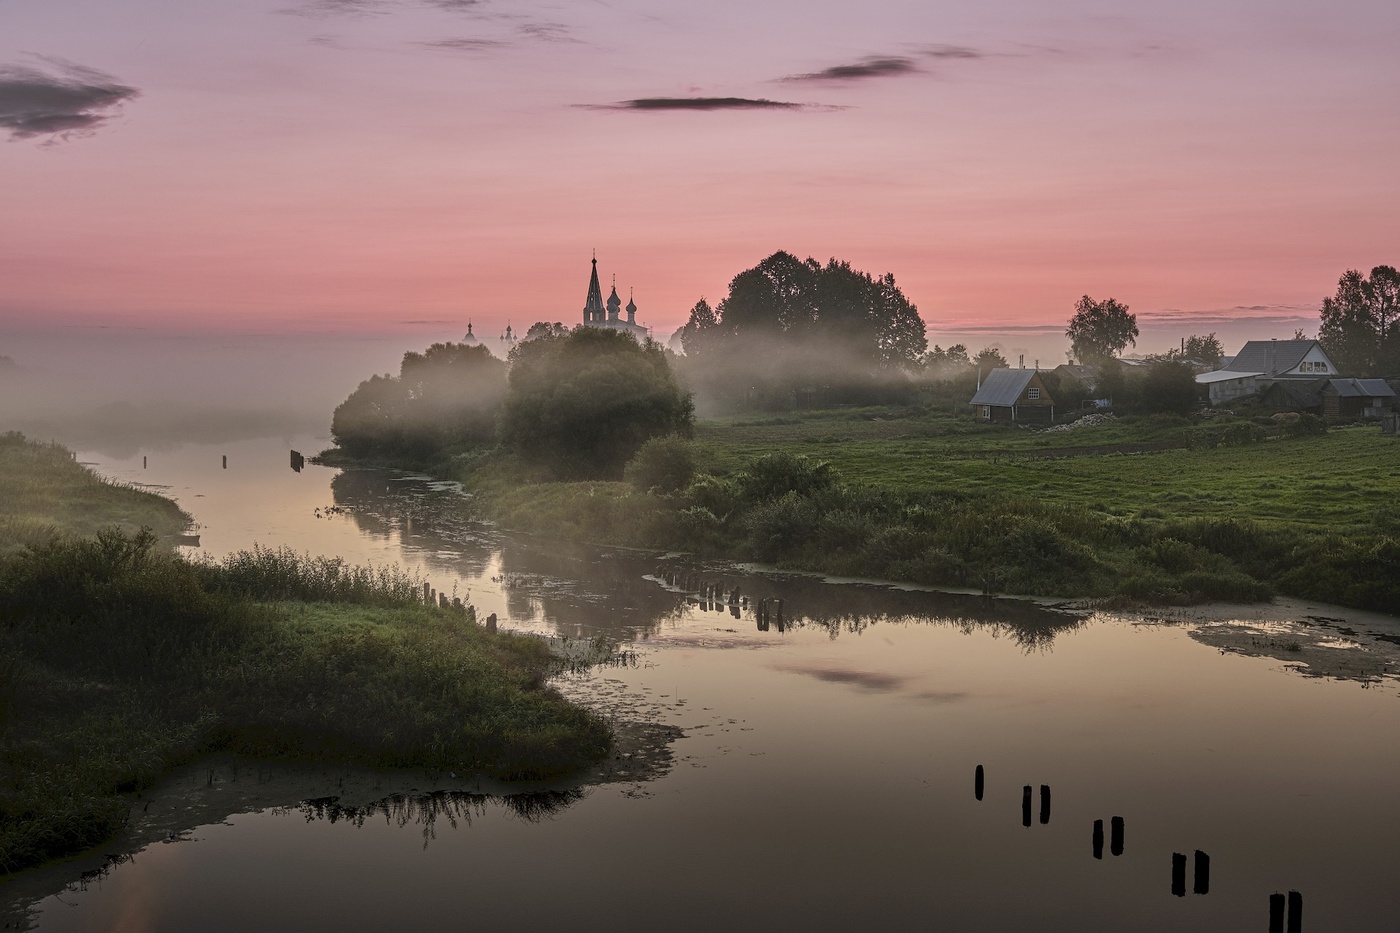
(775, 475)
(1305, 425)
(664, 464)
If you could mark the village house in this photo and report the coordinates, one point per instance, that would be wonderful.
(1349, 399)
(1016, 395)
(1262, 363)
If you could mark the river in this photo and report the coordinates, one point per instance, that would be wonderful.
(817, 774)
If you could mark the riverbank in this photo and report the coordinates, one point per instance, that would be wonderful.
(123, 660)
(45, 492)
(1226, 510)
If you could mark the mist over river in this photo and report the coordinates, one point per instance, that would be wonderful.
(817, 774)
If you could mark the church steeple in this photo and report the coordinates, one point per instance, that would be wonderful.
(631, 308)
(614, 302)
(593, 306)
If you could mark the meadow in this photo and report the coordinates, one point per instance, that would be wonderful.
(1136, 510)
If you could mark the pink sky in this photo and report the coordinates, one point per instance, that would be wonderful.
(361, 165)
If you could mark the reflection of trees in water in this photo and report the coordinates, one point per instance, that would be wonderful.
(584, 590)
(851, 608)
(425, 518)
(453, 807)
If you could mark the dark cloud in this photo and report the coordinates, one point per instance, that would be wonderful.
(455, 6)
(953, 51)
(319, 9)
(462, 45)
(870, 68)
(71, 101)
(547, 32)
(702, 103)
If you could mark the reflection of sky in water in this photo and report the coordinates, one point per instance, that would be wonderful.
(825, 780)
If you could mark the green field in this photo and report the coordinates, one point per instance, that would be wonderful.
(1134, 511)
(1340, 481)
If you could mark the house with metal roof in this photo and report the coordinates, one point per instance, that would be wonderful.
(1345, 399)
(1016, 395)
(1226, 385)
(1283, 359)
(1261, 363)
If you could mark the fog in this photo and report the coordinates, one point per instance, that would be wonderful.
(119, 391)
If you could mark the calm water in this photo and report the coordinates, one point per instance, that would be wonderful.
(825, 777)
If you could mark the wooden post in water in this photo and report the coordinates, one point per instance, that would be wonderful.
(427, 592)
(1044, 804)
(979, 782)
(1178, 874)
(1275, 913)
(225, 461)
(1115, 844)
(491, 624)
(1098, 839)
(143, 463)
(1201, 885)
(1026, 806)
(1295, 912)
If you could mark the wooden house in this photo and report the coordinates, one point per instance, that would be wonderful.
(1015, 395)
(1349, 399)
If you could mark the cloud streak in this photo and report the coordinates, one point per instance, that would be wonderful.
(74, 101)
(699, 103)
(878, 67)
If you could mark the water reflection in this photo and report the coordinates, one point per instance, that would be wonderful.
(455, 808)
(629, 595)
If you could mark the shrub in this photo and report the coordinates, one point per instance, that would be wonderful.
(775, 475)
(664, 464)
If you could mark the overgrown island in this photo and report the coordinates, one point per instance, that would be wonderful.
(120, 660)
(835, 440)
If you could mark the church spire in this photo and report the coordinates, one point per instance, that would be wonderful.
(593, 306)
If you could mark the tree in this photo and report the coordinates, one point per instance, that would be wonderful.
(700, 329)
(583, 403)
(868, 318)
(545, 329)
(989, 359)
(445, 396)
(1099, 330)
(1169, 387)
(1207, 349)
(1360, 324)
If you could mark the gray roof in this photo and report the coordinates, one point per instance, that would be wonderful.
(1222, 375)
(1270, 356)
(1361, 388)
(1002, 386)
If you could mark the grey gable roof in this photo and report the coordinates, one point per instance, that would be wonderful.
(1361, 388)
(1002, 387)
(1271, 356)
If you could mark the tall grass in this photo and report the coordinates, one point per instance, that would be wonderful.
(122, 659)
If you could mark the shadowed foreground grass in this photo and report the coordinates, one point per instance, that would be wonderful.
(120, 660)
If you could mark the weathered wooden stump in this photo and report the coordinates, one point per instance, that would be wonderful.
(979, 783)
(1201, 884)
(1098, 839)
(1178, 874)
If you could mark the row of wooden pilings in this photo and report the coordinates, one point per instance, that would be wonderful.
(432, 597)
(1282, 910)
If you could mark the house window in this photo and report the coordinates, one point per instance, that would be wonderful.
(987, 412)
(1032, 394)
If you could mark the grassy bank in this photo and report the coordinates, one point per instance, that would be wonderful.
(44, 492)
(119, 660)
(1152, 510)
